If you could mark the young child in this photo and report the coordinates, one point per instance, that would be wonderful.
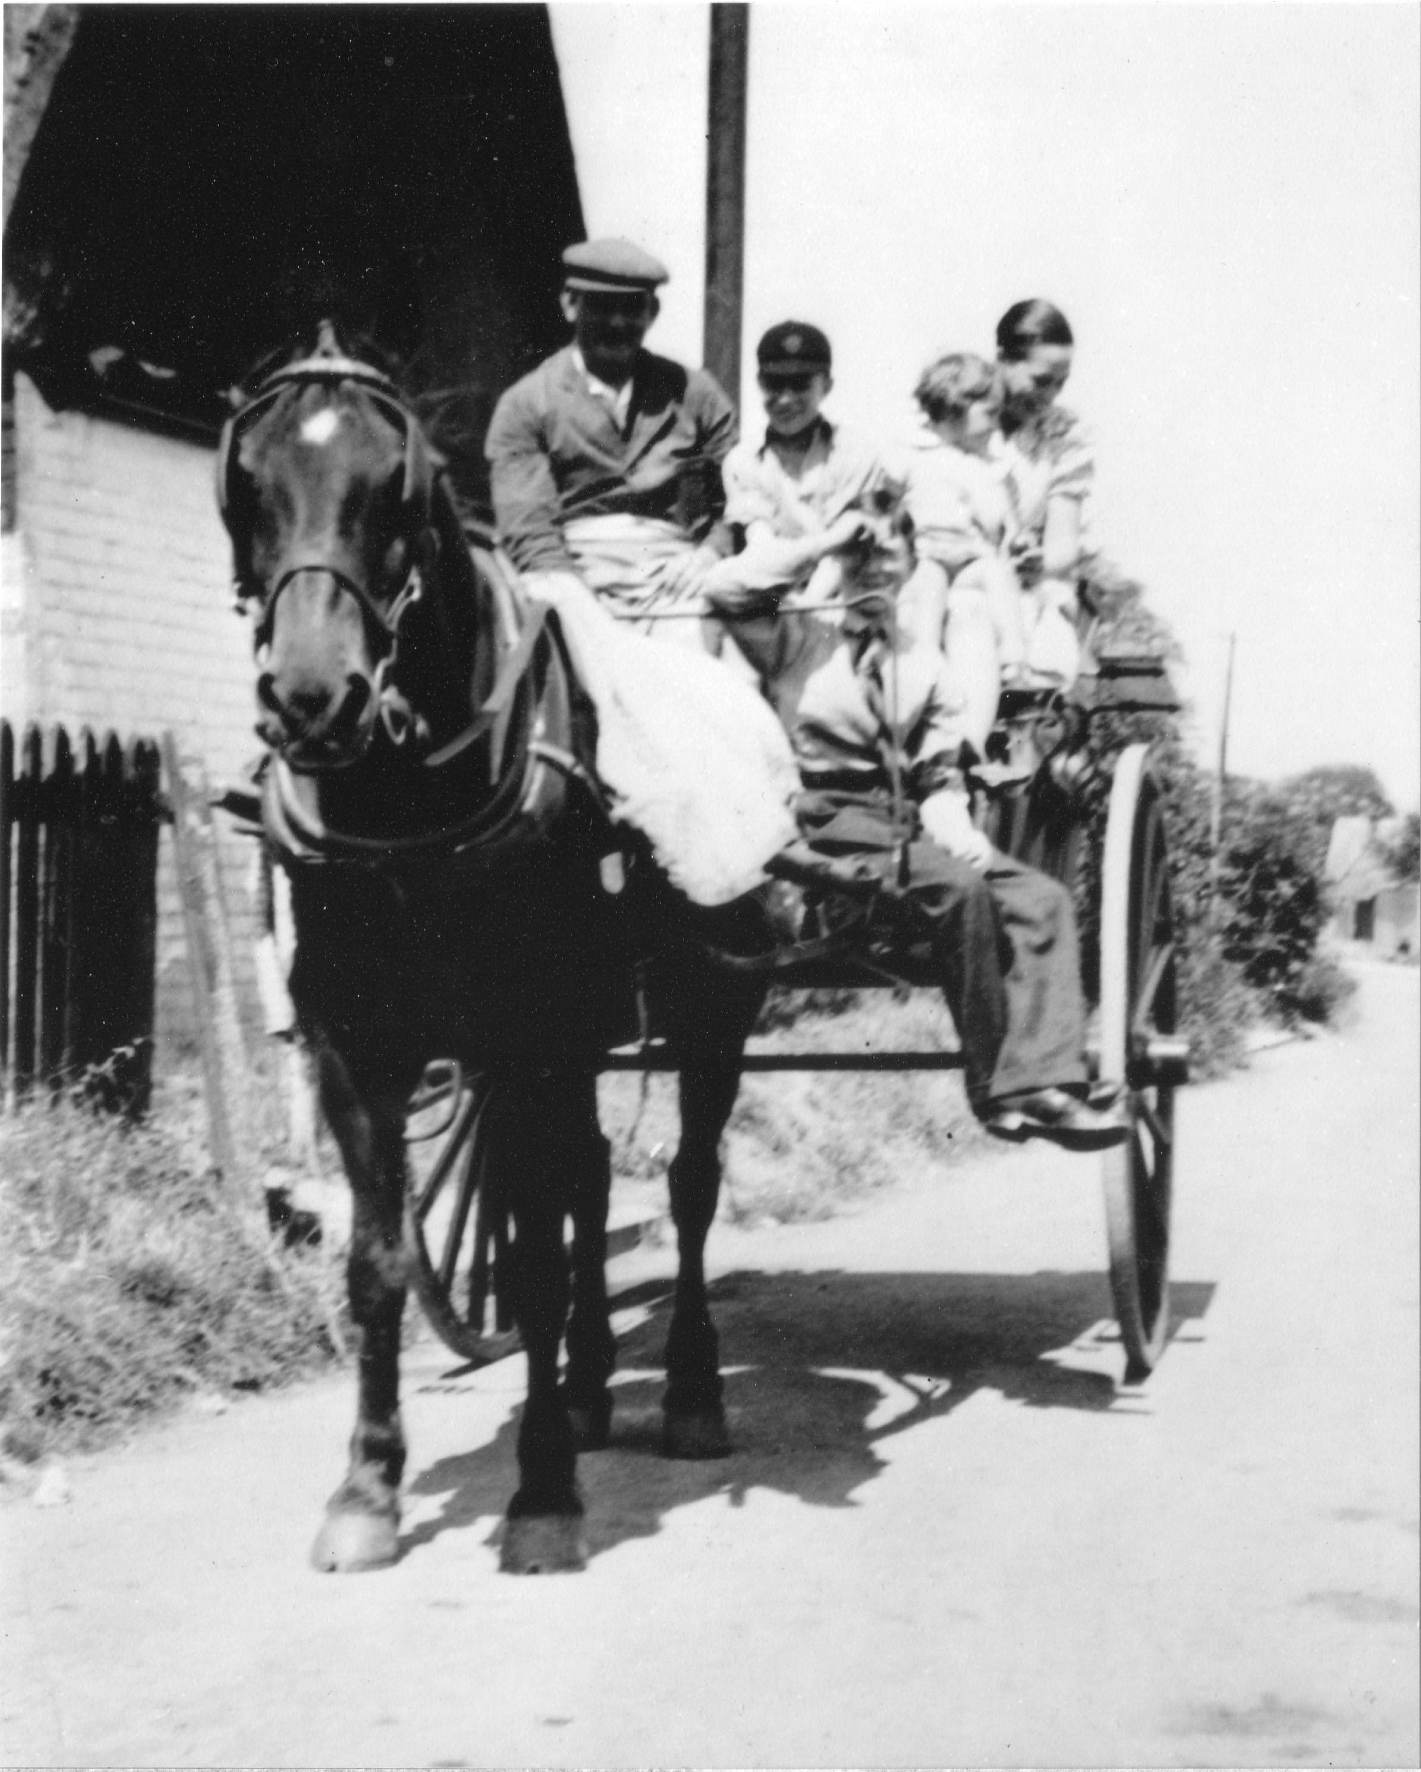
(965, 595)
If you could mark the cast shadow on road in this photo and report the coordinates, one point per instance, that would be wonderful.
(821, 1369)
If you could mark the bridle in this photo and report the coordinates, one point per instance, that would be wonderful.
(329, 367)
(529, 702)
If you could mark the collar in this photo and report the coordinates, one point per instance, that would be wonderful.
(617, 399)
(858, 629)
(822, 431)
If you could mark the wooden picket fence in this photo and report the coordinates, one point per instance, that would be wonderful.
(79, 822)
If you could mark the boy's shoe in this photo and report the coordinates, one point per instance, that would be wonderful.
(1057, 1116)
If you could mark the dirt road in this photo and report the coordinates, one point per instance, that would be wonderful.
(946, 1537)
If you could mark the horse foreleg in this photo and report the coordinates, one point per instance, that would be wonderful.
(591, 1347)
(543, 1528)
(361, 1529)
(693, 1424)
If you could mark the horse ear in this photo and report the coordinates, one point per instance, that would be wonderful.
(419, 471)
(224, 467)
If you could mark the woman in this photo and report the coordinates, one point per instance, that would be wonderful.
(1051, 467)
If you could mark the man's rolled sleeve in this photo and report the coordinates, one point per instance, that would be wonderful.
(937, 759)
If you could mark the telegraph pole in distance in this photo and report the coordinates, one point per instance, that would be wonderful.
(725, 191)
(1216, 820)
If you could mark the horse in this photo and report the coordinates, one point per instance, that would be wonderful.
(429, 794)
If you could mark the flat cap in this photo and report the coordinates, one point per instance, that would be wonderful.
(617, 265)
(794, 347)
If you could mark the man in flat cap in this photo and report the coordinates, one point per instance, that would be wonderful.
(796, 499)
(606, 460)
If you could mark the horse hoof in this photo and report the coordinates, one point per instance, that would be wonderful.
(591, 1424)
(543, 1544)
(349, 1544)
(699, 1434)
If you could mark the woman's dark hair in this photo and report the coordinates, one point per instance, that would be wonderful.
(1028, 323)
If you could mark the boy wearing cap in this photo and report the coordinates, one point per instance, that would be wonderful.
(793, 496)
(606, 460)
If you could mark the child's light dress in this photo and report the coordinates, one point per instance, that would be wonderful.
(964, 595)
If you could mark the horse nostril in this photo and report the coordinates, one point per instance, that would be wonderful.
(358, 692)
(266, 692)
(345, 721)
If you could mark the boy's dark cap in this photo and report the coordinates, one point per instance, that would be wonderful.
(793, 348)
(618, 266)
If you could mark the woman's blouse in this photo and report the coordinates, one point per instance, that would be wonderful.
(1051, 456)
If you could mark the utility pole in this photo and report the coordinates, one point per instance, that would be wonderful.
(1217, 811)
(725, 191)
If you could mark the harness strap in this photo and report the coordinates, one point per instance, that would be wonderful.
(510, 674)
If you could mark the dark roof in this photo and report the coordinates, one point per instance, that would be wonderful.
(207, 180)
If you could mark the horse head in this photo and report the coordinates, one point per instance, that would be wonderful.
(325, 485)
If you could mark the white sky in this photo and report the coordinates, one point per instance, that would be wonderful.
(1226, 202)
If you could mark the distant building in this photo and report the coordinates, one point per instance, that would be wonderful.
(1369, 905)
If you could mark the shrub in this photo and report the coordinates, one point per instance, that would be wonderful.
(1273, 905)
(1248, 923)
(1321, 991)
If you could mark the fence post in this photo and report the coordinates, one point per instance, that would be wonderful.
(142, 775)
(224, 1059)
(27, 946)
(57, 812)
(7, 820)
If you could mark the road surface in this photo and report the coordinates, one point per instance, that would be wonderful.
(946, 1538)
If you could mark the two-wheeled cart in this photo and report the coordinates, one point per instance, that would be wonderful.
(1041, 789)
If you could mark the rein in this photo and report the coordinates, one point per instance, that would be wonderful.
(727, 615)
(510, 674)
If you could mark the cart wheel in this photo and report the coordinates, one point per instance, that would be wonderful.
(1138, 1045)
(458, 1248)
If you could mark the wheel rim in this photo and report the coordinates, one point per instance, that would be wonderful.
(1138, 1015)
(457, 1241)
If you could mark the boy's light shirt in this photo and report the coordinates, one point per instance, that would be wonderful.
(839, 470)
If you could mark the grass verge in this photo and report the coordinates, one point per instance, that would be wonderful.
(131, 1277)
(803, 1145)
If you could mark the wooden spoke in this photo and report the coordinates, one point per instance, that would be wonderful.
(458, 1220)
(424, 1197)
(1163, 1135)
(1161, 966)
(455, 1268)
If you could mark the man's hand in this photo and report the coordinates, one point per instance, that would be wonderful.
(686, 574)
(849, 531)
(743, 601)
(948, 822)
